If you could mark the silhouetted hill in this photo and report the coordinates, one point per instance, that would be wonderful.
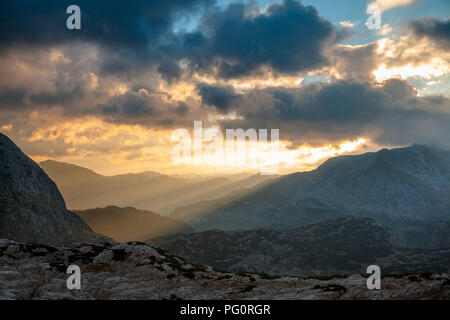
(131, 224)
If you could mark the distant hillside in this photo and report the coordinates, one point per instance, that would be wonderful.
(439, 237)
(129, 224)
(398, 187)
(197, 210)
(342, 245)
(83, 188)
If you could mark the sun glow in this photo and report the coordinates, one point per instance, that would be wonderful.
(426, 71)
(308, 158)
(268, 80)
(113, 149)
(260, 155)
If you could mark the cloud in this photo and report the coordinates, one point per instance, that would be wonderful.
(389, 4)
(343, 59)
(386, 113)
(11, 98)
(289, 37)
(411, 56)
(240, 66)
(220, 97)
(233, 41)
(111, 23)
(147, 109)
(347, 24)
(385, 29)
(434, 29)
(129, 35)
(406, 56)
(169, 70)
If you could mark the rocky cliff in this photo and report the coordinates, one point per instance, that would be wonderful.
(31, 207)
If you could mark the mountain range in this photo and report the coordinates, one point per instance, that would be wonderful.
(406, 188)
(83, 188)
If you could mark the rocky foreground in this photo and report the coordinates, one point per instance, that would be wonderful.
(138, 271)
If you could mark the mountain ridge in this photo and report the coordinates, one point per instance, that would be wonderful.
(404, 183)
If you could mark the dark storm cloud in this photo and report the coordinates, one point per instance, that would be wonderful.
(319, 113)
(131, 23)
(20, 99)
(230, 43)
(342, 102)
(132, 107)
(132, 104)
(289, 38)
(12, 98)
(181, 108)
(219, 97)
(60, 97)
(129, 33)
(148, 109)
(343, 60)
(169, 70)
(134, 35)
(437, 30)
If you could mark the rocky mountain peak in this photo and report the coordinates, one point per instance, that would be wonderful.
(31, 206)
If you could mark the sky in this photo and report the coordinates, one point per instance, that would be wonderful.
(110, 95)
